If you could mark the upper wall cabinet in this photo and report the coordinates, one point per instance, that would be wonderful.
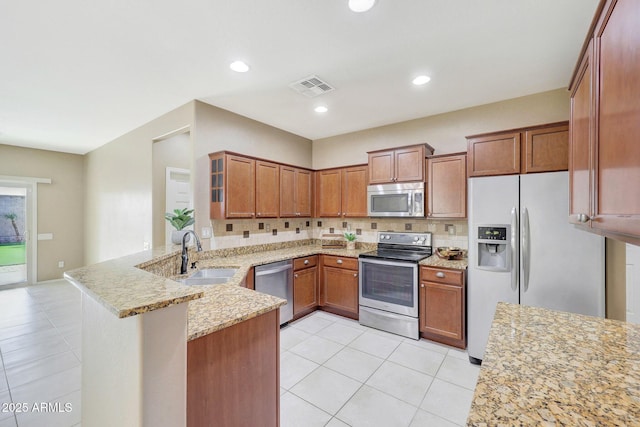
(296, 187)
(447, 186)
(536, 149)
(233, 190)
(342, 192)
(244, 187)
(605, 124)
(405, 164)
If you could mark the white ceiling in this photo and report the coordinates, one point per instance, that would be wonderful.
(77, 74)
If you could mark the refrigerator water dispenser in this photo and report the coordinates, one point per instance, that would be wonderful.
(494, 250)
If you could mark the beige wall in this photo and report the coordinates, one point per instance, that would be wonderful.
(60, 204)
(175, 152)
(616, 279)
(119, 189)
(445, 132)
(216, 129)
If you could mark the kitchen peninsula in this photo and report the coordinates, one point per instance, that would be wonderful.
(143, 332)
(545, 367)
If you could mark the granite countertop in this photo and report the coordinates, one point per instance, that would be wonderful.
(435, 261)
(544, 367)
(126, 289)
(228, 304)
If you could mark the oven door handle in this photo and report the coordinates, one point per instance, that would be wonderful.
(387, 262)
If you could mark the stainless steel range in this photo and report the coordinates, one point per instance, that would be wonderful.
(389, 282)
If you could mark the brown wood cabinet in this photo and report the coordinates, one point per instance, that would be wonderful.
(305, 285)
(232, 186)
(546, 149)
(342, 192)
(339, 285)
(447, 186)
(442, 306)
(245, 187)
(233, 375)
(494, 154)
(267, 189)
(403, 164)
(541, 148)
(295, 192)
(605, 124)
(581, 143)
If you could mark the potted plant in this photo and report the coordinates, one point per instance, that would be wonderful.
(351, 240)
(179, 219)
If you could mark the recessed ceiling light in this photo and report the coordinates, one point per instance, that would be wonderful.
(361, 5)
(239, 66)
(421, 80)
(321, 109)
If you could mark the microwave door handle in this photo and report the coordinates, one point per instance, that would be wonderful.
(411, 201)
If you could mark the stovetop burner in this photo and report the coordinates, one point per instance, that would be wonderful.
(411, 247)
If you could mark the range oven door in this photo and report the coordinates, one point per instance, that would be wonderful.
(389, 285)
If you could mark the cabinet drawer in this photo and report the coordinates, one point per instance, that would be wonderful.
(441, 275)
(305, 262)
(341, 262)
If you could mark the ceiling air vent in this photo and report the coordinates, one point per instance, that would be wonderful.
(311, 86)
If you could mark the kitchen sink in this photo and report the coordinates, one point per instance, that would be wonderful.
(209, 276)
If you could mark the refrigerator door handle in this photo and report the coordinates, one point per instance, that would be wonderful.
(526, 267)
(514, 248)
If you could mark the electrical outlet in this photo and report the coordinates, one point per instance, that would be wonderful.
(205, 232)
(60, 264)
(267, 227)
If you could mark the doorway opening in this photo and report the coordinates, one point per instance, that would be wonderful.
(172, 180)
(14, 235)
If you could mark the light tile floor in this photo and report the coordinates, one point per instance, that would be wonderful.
(40, 329)
(334, 372)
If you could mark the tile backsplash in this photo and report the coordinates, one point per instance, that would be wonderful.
(243, 232)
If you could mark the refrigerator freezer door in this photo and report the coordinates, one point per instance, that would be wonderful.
(491, 201)
(562, 267)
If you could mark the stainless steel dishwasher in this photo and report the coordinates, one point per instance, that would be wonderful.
(277, 279)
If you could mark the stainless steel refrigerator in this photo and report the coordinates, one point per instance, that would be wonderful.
(523, 250)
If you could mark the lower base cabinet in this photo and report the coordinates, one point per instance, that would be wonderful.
(442, 306)
(339, 285)
(233, 375)
(305, 286)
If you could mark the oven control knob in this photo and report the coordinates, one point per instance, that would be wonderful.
(415, 239)
(387, 237)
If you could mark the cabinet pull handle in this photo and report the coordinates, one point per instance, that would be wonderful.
(440, 274)
(583, 218)
(339, 261)
(306, 261)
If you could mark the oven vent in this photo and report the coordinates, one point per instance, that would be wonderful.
(311, 86)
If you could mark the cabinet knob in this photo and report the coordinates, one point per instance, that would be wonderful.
(306, 261)
(422, 285)
(440, 274)
(355, 274)
(339, 261)
(258, 214)
(583, 218)
(338, 213)
(295, 275)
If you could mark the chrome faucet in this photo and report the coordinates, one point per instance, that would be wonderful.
(185, 254)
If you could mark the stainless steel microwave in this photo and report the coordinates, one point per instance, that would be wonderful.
(396, 200)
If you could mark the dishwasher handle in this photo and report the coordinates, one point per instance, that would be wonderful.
(268, 271)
